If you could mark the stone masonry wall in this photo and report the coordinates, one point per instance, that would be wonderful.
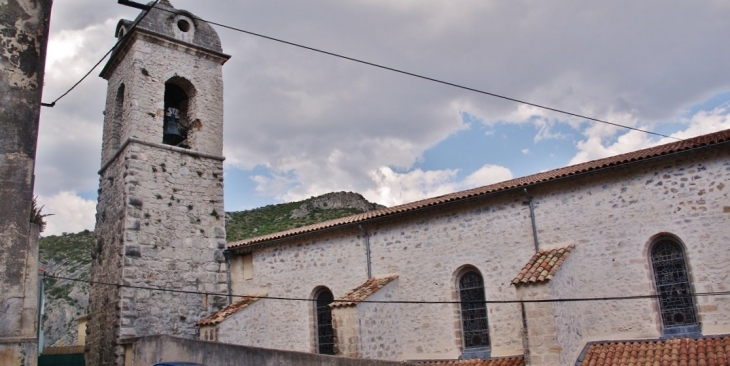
(106, 267)
(611, 217)
(427, 251)
(251, 327)
(147, 66)
(174, 237)
(542, 336)
(23, 40)
(685, 199)
(336, 261)
(379, 325)
(346, 326)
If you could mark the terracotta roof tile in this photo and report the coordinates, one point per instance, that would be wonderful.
(543, 266)
(679, 351)
(221, 315)
(688, 144)
(503, 361)
(361, 292)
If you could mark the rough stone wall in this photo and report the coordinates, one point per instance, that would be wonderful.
(336, 261)
(106, 267)
(23, 39)
(346, 326)
(569, 322)
(686, 198)
(542, 336)
(611, 217)
(426, 251)
(250, 327)
(148, 64)
(380, 325)
(149, 350)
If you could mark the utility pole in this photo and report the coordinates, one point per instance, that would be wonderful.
(23, 41)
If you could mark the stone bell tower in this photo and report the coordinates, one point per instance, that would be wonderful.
(160, 219)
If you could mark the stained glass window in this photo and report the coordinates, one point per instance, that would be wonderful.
(325, 333)
(676, 302)
(475, 328)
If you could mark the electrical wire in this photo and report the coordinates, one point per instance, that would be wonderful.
(423, 77)
(392, 69)
(53, 104)
(582, 299)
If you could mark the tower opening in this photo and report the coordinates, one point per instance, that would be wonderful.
(176, 122)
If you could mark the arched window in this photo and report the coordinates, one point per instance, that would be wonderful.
(676, 302)
(323, 326)
(474, 324)
(176, 126)
(116, 127)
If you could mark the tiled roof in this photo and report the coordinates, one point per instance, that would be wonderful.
(221, 315)
(613, 161)
(504, 361)
(543, 266)
(678, 351)
(361, 292)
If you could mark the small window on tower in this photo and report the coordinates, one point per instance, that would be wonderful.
(183, 28)
(183, 25)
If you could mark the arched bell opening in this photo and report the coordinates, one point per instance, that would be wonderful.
(177, 122)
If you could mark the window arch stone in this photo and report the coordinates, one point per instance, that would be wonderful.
(673, 287)
(323, 330)
(473, 313)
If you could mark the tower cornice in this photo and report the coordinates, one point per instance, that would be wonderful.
(123, 47)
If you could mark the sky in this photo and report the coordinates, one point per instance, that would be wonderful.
(299, 124)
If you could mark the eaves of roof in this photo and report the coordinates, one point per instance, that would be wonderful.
(682, 146)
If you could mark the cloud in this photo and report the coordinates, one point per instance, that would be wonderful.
(71, 213)
(323, 124)
(396, 188)
(596, 147)
(486, 175)
(393, 188)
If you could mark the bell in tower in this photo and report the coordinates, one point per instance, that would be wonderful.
(159, 222)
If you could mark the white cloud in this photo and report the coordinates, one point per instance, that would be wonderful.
(394, 188)
(322, 124)
(486, 175)
(526, 151)
(71, 213)
(595, 147)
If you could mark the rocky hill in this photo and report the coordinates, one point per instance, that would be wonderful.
(69, 255)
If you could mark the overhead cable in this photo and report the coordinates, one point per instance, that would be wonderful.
(53, 104)
(582, 299)
(419, 76)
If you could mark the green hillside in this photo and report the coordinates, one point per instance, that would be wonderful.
(275, 218)
(69, 255)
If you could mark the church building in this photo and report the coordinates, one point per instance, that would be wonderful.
(616, 261)
(581, 265)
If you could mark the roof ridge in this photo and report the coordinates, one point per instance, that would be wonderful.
(551, 175)
(238, 305)
(543, 265)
